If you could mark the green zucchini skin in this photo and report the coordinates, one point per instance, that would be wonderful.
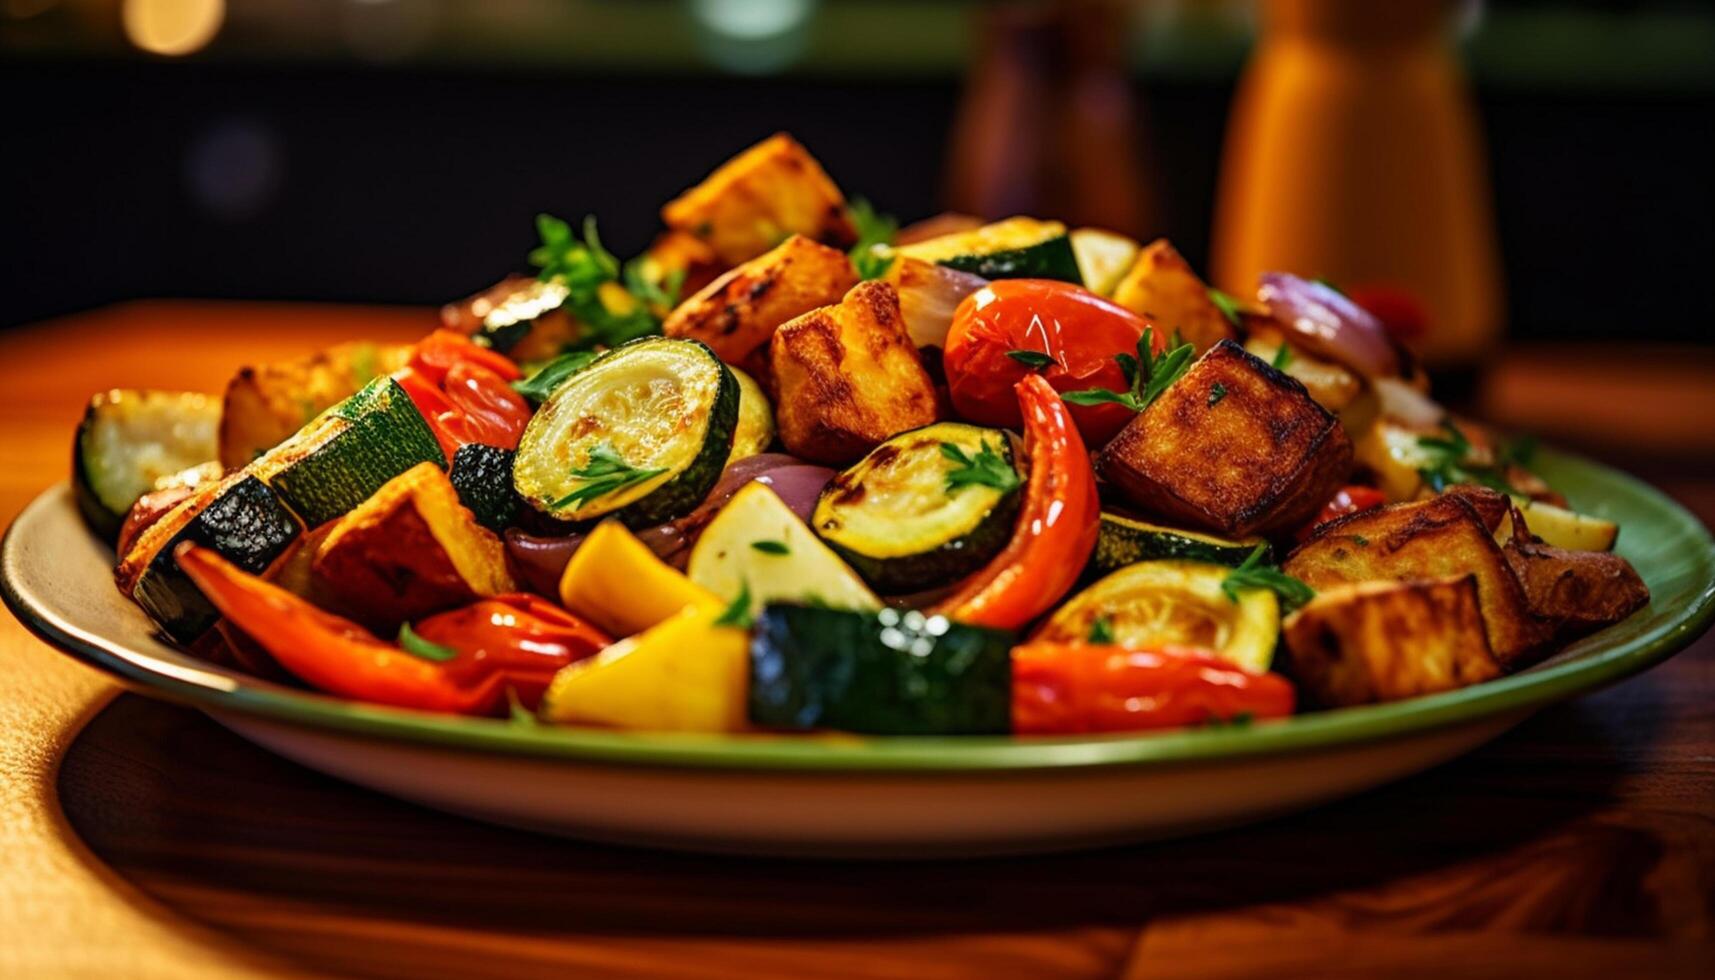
(680, 494)
(882, 673)
(385, 436)
(247, 525)
(137, 415)
(1125, 540)
(1052, 259)
(482, 475)
(937, 554)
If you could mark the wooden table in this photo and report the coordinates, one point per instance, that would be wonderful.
(141, 840)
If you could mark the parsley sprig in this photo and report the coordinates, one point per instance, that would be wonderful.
(1449, 461)
(415, 645)
(988, 468)
(540, 384)
(604, 472)
(1033, 359)
(1147, 375)
(1101, 631)
(1229, 306)
(737, 612)
(1252, 573)
(613, 303)
(872, 229)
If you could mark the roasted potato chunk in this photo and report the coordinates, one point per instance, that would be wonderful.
(1386, 641)
(409, 550)
(1161, 286)
(738, 313)
(848, 377)
(1233, 447)
(756, 199)
(266, 404)
(1427, 539)
(1579, 592)
(1333, 386)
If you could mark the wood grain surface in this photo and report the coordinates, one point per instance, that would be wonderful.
(154, 843)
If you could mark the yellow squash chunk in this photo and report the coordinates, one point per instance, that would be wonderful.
(738, 313)
(617, 583)
(1385, 641)
(1333, 387)
(1234, 447)
(1161, 286)
(1568, 529)
(1104, 257)
(757, 544)
(685, 674)
(848, 377)
(755, 200)
(411, 549)
(266, 404)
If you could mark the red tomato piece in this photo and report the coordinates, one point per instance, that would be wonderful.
(1351, 499)
(494, 414)
(1073, 688)
(442, 349)
(521, 638)
(1081, 332)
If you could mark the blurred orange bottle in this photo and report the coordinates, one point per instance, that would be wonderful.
(1352, 154)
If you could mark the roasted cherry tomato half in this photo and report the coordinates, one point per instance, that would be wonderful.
(1072, 688)
(1014, 327)
(442, 349)
(1347, 500)
(496, 415)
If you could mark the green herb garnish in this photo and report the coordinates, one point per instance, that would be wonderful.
(584, 267)
(1147, 375)
(1033, 359)
(1217, 391)
(1254, 574)
(1241, 720)
(771, 547)
(516, 712)
(1450, 463)
(1360, 541)
(1282, 357)
(737, 612)
(1228, 306)
(541, 384)
(987, 467)
(604, 472)
(415, 645)
(872, 229)
(1101, 631)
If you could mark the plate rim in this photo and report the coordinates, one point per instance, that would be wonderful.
(217, 689)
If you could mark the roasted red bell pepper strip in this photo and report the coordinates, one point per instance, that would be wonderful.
(339, 656)
(1352, 499)
(444, 418)
(495, 413)
(1073, 688)
(442, 349)
(1056, 527)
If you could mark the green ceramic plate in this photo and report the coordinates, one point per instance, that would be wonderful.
(56, 580)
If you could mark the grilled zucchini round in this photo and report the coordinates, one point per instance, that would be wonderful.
(905, 520)
(1126, 541)
(129, 439)
(641, 434)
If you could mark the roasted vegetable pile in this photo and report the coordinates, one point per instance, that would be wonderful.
(795, 468)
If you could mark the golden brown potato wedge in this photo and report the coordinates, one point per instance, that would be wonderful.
(1427, 539)
(265, 404)
(1579, 592)
(410, 550)
(1385, 641)
(753, 201)
(848, 377)
(738, 313)
(1254, 455)
(1161, 286)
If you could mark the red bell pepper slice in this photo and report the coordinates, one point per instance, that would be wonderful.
(1057, 523)
(497, 644)
(1076, 688)
(442, 349)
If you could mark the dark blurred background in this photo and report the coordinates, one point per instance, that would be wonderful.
(395, 151)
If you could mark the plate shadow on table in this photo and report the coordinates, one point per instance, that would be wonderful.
(208, 823)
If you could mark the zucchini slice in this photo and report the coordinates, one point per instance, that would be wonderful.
(896, 518)
(881, 673)
(1126, 541)
(1104, 257)
(244, 521)
(1017, 248)
(511, 316)
(1568, 529)
(757, 546)
(755, 431)
(482, 475)
(129, 440)
(345, 455)
(1173, 602)
(642, 433)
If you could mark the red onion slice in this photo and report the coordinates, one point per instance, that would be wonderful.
(1328, 324)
